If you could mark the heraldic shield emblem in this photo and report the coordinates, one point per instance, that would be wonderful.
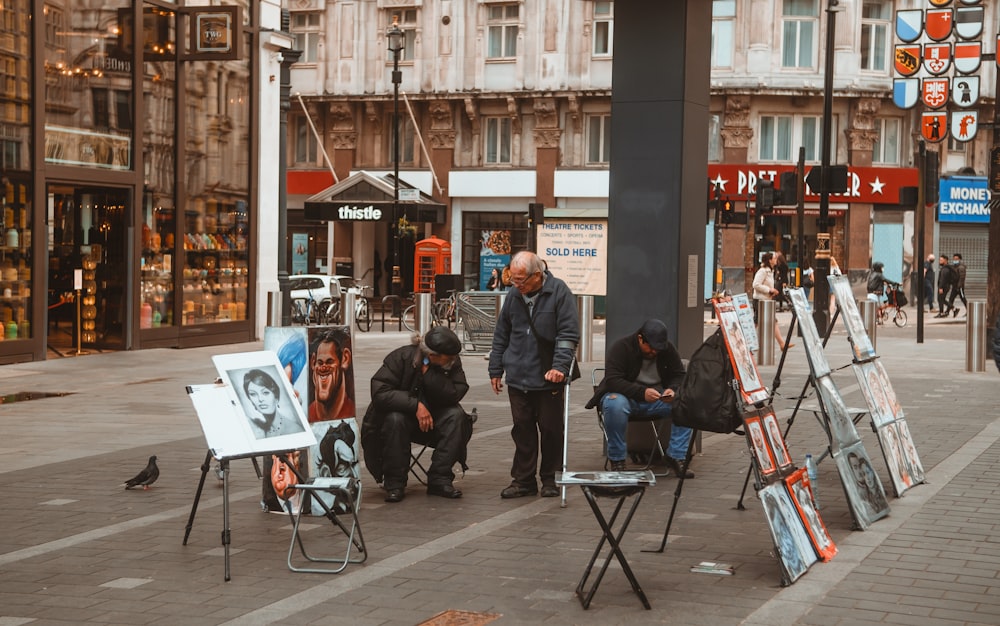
(937, 58)
(965, 91)
(934, 125)
(935, 92)
(907, 60)
(909, 25)
(969, 22)
(905, 92)
(964, 125)
(939, 23)
(968, 56)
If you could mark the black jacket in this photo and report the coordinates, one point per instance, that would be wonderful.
(398, 386)
(947, 276)
(622, 365)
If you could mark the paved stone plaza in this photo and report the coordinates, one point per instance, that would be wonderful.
(76, 547)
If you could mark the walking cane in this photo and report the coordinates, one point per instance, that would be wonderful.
(569, 377)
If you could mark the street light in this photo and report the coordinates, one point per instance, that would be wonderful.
(395, 38)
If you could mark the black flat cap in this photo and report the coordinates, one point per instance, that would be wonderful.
(442, 340)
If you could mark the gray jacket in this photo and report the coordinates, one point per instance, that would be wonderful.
(518, 353)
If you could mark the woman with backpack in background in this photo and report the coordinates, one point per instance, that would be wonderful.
(764, 289)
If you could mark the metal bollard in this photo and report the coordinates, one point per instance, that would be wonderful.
(869, 315)
(424, 313)
(585, 308)
(348, 312)
(765, 332)
(975, 337)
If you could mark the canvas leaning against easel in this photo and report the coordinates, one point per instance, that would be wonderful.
(798, 532)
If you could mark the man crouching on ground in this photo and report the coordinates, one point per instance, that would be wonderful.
(415, 397)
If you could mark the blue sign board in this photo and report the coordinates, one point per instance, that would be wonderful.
(964, 199)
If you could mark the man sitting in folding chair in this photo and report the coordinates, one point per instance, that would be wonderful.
(643, 372)
(415, 398)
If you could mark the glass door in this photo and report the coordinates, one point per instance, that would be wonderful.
(87, 231)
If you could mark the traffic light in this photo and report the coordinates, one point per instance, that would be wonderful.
(728, 210)
(789, 192)
(765, 196)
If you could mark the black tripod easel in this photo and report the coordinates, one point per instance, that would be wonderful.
(205, 467)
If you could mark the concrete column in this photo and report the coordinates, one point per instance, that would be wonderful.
(658, 187)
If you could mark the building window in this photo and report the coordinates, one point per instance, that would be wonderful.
(305, 142)
(604, 27)
(799, 25)
(502, 29)
(123, 109)
(306, 29)
(407, 139)
(598, 138)
(723, 28)
(886, 148)
(498, 140)
(875, 25)
(714, 137)
(102, 112)
(55, 32)
(407, 19)
(781, 136)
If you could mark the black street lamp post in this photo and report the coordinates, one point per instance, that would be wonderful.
(823, 247)
(395, 38)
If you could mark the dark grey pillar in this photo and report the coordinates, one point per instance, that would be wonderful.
(659, 168)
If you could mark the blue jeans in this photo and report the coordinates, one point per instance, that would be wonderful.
(619, 410)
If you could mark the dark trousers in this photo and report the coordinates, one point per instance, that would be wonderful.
(538, 416)
(943, 300)
(957, 292)
(929, 293)
(399, 430)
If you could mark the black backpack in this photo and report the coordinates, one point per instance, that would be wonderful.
(707, 399)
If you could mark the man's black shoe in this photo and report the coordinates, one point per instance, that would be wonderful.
(675, 467)
(517, 491)
(954, 312)
(445, 491)
(618, 466)
(549, 490)
(395, 495)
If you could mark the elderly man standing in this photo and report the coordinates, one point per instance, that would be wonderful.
(415, 397)
(643, 372)
(534, 343)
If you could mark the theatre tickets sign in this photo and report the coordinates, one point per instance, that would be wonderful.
(577, 252)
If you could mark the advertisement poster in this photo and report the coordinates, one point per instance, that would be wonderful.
(494, 255)
(300, 253)
(577, 252)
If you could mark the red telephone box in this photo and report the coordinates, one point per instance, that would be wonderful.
(431, 256)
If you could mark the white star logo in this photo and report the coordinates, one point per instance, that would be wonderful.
(877, 186)
(719, 182)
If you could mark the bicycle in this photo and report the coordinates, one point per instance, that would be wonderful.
(362, 309)
(893, 308)
(443, 313)
(309, 311)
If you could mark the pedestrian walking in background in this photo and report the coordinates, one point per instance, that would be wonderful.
(764, 289)
(534, 343)
(808, 281)
(946, 278)
(958, 287)
(929, 281)
(780, 279)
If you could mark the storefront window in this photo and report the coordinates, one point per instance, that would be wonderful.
(217, 170)
(15, 191)
(15, 260)
(157, 215)
(88, 82)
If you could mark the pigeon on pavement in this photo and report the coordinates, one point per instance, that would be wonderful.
(146, 477)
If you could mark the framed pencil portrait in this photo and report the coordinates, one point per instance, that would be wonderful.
(751, 387)
(753, 426)
(800, 490)
(864, 490)
(772, 431)
(791, 541)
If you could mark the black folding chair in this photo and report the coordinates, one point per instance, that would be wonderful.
(656, 424)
